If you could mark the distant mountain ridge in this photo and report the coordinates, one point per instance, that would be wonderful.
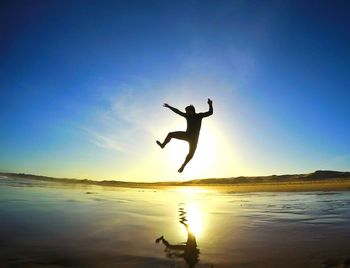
(315, 176)
(319, 175)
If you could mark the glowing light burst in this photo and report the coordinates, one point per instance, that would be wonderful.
(194, 219)
(194, 214)
(189, 191)
(204, 158)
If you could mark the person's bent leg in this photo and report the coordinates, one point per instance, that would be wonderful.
(181, 135)
(193, 146)
(188, 158)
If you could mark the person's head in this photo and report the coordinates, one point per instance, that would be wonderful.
(190, 110)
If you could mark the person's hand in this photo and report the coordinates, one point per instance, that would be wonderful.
(210, 102)
(166, 105)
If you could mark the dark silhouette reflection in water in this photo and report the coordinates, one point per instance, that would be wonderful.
(187, 250)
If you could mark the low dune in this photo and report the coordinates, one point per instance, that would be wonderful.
(320, 180)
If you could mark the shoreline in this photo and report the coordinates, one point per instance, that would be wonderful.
(285, 187)
(259, 187)
(334, 184)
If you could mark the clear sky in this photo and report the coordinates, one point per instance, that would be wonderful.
(82, 85)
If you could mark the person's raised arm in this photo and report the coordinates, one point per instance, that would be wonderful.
(210, 111)
(174, 109)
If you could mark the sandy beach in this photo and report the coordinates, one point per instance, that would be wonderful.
(48, 224)
(341, 185)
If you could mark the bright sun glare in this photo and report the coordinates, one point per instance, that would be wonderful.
(213, 158)
(204, 157)
(194, 219)
(193, 211)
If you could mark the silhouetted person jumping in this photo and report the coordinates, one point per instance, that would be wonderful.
(194, 122)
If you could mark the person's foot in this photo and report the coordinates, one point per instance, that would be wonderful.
(158, 239)
(181, 169)
(160, 144)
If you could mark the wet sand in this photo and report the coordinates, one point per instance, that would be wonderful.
(46, 224)
(331, 185)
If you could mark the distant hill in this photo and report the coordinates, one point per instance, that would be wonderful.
(319, 175)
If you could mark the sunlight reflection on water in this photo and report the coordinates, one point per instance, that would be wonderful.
(194, 217)
(100, 226)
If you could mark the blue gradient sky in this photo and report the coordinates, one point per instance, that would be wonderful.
(82, 85)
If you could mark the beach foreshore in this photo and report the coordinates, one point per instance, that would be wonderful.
(285, 187)
(58, 223)
(292, 183)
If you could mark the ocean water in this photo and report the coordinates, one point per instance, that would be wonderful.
(47, 224)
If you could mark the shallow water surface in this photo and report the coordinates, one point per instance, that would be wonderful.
(58, 225)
